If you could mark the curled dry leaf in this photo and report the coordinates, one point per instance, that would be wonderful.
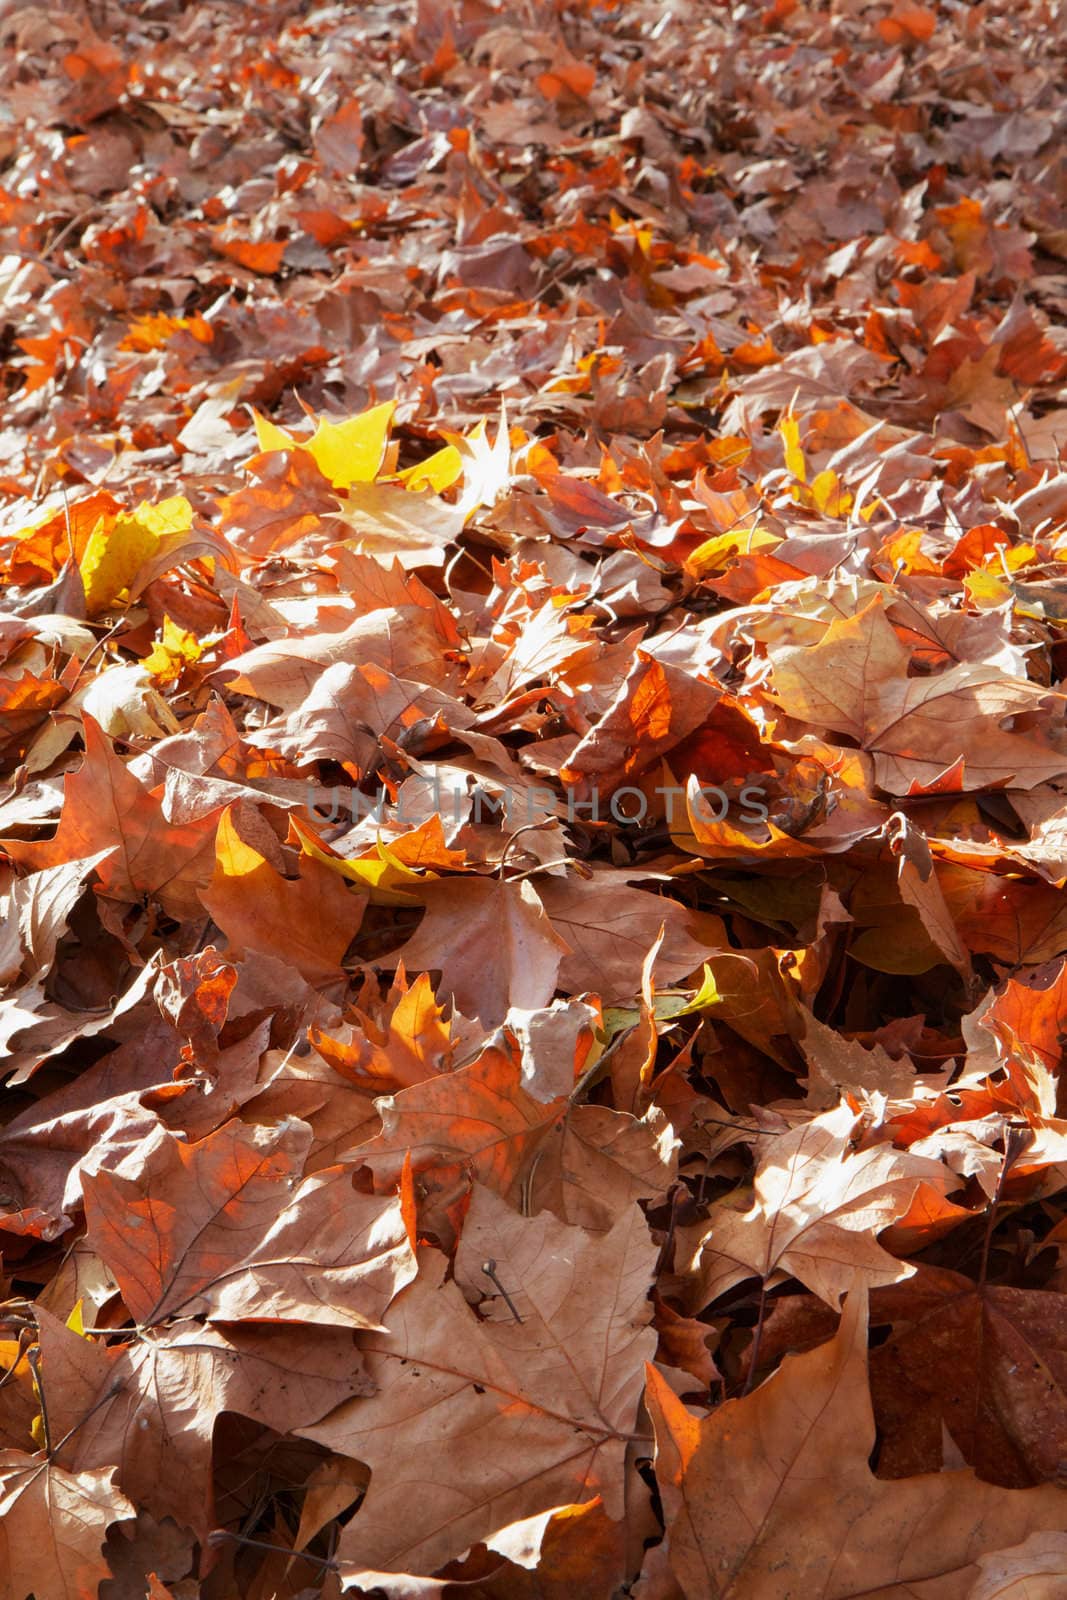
(819, 1205)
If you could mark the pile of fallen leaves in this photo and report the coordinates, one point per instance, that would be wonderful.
(535, 811)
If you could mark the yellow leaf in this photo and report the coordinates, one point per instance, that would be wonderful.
(113, 555)
(905, 550)
(717, 551)
(172, 653)
(1012, 557)
(830, 495)
(789, 428)
(437, 472)
(486, 467)
(351, 452)
(118, 548)
(76, 1320)
(707, 995)
(344, 452)
(386, 876)
(170, 516)
(234, 858)
(270, 437)
(986, 589)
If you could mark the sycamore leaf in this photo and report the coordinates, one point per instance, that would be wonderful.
(384, 875)
(609, 928)
(407, 641)
(586, 1163)
(413, 1043)
(507, 954)
(487, 1421)
(656, 708)
(532, 711)
(772, 1496)
(987, 1364)
(818, 1207)
(53, 1525)
(437, 472)
(854, 682)
(486, 467)
(175, 649)
(1036, 1569)
(225, 1227)
(105, 808)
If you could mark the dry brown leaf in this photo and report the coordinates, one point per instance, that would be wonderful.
(225, 1228)
(818, 1207)
(155, 1415)
(53, 1525)
(484, 1422)
(506, 952)
(1035, 1569)
(310, 920)
(609, 928)
(586, 1163)
(106, 808)
(773, 1497)
(595, 539)
(854, 682)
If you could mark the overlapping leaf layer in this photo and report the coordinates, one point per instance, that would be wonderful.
(534, 825)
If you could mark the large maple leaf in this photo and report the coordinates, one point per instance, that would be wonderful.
(225, 1227)
(773, 1497)
(484, 1420)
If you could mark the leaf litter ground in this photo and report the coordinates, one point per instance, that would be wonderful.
(535, 810)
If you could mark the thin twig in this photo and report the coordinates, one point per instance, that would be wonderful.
(219, 1534)
(108, 1394)
(489, 1268)
(668, 1240)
